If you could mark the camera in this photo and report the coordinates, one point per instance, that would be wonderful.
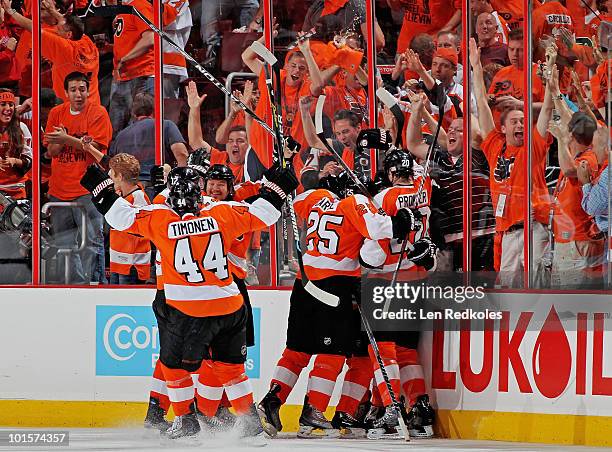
(16, 216)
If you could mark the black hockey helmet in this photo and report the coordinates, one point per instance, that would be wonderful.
(400, 162)
(221, 172)
(341, 185)
(185, 194)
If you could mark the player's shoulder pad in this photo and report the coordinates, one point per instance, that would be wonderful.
(161, 197)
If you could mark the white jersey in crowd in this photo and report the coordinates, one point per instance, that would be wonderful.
(179, 32)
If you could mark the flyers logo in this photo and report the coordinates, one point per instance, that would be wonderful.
(504, 168)
(502, 87)
(118, 25)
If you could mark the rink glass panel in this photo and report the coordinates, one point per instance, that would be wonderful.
(16, 200)
(100, 31)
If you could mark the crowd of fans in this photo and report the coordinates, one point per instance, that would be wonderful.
(97, 104)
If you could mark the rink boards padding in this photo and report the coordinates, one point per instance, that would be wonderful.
(83, 358)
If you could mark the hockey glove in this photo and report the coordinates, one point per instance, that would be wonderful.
(101, 187)
(199, 160)
(405, 221)
(278, 184)
(424, 254)
(374, 139)
(157, 179)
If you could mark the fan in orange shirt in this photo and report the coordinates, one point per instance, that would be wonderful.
(505, 151)
(579, 246)
(425, 16)
(548, 20)
(68, 49)
(300, 77)
(133, 60)
(507, 87)
(68, 124)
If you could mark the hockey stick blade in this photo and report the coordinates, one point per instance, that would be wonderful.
(325, 297)
(392, 104)
(263, 52)
(277, 124)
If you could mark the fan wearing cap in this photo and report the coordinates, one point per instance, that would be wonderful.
(15, 148)
(579, 245)
(441, 79)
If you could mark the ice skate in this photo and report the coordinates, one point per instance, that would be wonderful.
(313, 424)
(155, 418)
(222, 421)
(421, 418)
(268, 410)
(349, 427)
(183, 427)
(250, 429)
(386, 426)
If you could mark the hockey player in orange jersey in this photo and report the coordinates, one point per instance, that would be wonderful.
(337, 224)
(205, 313)
(412, 189)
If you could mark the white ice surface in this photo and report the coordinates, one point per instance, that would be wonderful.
(143, 440)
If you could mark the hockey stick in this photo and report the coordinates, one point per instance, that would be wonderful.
(392, 104)
(319, 131)
(406, 244)
(111, 11)
(277, 123)
(383, 370)
(362, 188)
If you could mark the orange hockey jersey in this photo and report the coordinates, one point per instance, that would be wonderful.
(128, 250)
(193, 248)
(336, 231)
(393, 199)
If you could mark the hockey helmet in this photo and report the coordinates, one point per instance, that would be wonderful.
(400, 163)
(185, 194)
(341, 185)
(221, 172)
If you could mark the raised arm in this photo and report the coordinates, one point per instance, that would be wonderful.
(316, 79)
(485, 116)
(250, 58)
(194, 126)
(414, 64)
(414, 136)
(309, 128)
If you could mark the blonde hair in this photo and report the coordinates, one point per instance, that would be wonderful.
(127, 165)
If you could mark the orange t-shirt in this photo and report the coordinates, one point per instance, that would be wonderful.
(69, 56)
(570, 222)
(510, 81)
(548, 19)
(128, 31)
(599, 83)
(512, 11)
(342, 98)
(70, 165)
(221, 157)
(331, 6)
(424, 16)
(508, 182)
